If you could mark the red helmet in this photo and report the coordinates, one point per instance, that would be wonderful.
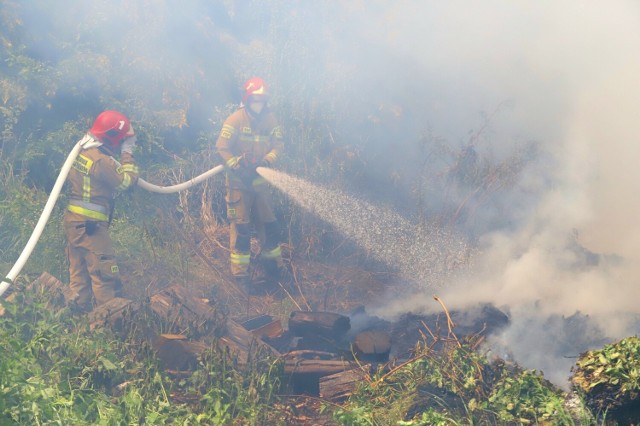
(111, 127)
(254, 86)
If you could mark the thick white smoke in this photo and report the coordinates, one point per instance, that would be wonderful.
(572, 70)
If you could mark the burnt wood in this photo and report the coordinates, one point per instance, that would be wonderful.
(264, 326)
(372, 345)
(325, 324)
(304, 375)
(178, 307)
(338, 387)
(205, 323)
(46, 284)
(112, 314)
(322, 367)
(177, 353)
(240, 342)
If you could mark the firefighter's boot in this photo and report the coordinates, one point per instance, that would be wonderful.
(277, 273)
(242, 280)
(285, 277)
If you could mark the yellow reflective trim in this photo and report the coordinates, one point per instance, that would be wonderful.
(259, 181)
(126, 183)
(88, 213)
(255, 138)
(240, 259)
(227, 131)
(131, 168)
(82, 164)
(88, 205)
(273, 254)
(233, 161)
(271, 156)
(86, 188)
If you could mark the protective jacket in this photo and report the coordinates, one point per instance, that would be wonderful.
(243, 139)
(94, 180)
(244, 142)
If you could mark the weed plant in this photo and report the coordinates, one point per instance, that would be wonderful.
(608, 379)
(55, 370)
(456, 386)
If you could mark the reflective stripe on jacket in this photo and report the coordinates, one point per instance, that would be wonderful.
(92, 210)
(94, 180)
(251, 140)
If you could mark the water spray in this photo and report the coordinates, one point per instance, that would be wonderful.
(425, 254)
(86, 142)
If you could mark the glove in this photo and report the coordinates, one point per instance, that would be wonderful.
(234, 163)
(128, 145)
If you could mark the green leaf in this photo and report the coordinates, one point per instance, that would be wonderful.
(108, 365)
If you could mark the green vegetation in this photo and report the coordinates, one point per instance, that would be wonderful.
(609, 378)
(458, 386)
(55, 370)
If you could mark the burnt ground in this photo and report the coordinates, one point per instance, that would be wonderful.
(347, 287)
(343, 288)
(335, 291)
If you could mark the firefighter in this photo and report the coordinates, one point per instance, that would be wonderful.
(94, 180)
(250, 138)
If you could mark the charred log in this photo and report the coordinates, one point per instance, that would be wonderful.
(305, 368)
(46, 284)
(177, 353)
(372, 346)
(264, 326)
(184, 312)
(325, 324)
(240, 342)
(113, 314)
(338, 387)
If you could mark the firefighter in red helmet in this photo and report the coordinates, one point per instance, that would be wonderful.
(94, 180)
(250, 138)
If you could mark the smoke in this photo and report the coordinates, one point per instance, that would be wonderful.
(571, 70)
(564, 240)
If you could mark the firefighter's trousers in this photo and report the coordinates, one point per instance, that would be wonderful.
(247, 206)
(92, 263)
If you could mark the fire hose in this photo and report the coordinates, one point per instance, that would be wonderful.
(84, 143)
